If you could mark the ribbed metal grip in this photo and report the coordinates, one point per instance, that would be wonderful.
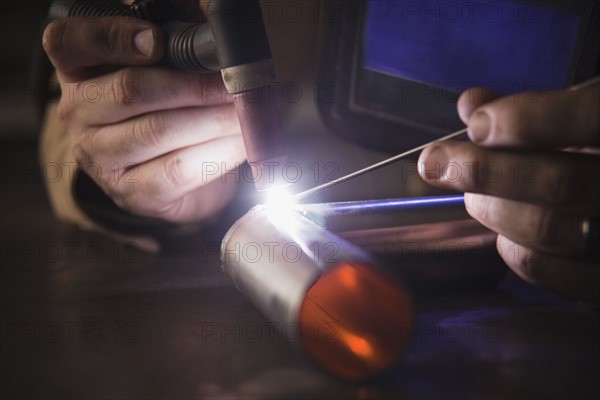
(190, 47)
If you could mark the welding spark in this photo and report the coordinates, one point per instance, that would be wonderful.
(280, 206)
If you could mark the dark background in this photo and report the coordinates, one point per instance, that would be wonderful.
(21, 25)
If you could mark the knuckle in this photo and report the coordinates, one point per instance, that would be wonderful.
(105, 180)
(171, 212)
(53, 38)
(149, 202)
(82, 157)
(175, 172)
(523, 259)
(102, 175)
(150, 130)
(122, 201)
(119, 193)
(123, 87)
(65, 110)
(84, 147)
(108, 177)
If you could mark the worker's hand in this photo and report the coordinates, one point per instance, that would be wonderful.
(154, 139)
(539, 198)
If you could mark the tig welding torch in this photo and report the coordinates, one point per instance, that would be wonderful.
(232, 41)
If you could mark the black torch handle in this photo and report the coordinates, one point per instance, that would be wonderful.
(239, 29)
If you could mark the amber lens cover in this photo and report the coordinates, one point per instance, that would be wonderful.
(354, 321)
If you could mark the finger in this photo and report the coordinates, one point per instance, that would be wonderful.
(577, 279)
(473, 98)
(539, 119)
(567, 180)
(199, 204)
(151, 135)
(77, 45)
(155, 188)
(196, 205)
(133, 91)
(527, 224)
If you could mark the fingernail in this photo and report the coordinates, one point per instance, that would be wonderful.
(431, 168)
(473, 204)
(144, 41)
(479, 126)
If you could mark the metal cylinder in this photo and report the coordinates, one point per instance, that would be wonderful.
(351, 316)
(431, 242)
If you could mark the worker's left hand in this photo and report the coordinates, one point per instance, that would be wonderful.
(532, 174)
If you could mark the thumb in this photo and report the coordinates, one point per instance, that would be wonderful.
(554, 119)
(77, 46)
(473, 98)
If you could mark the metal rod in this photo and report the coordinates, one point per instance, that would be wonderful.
(375, 166)
(397, 157)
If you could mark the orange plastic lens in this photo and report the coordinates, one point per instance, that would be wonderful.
(354, 321)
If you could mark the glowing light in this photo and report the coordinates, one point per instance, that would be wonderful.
(358, 345)
(348, 278)
(280, 207)
(279, 197)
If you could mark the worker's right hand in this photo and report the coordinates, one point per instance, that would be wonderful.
(147, 135)
(525, 180)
